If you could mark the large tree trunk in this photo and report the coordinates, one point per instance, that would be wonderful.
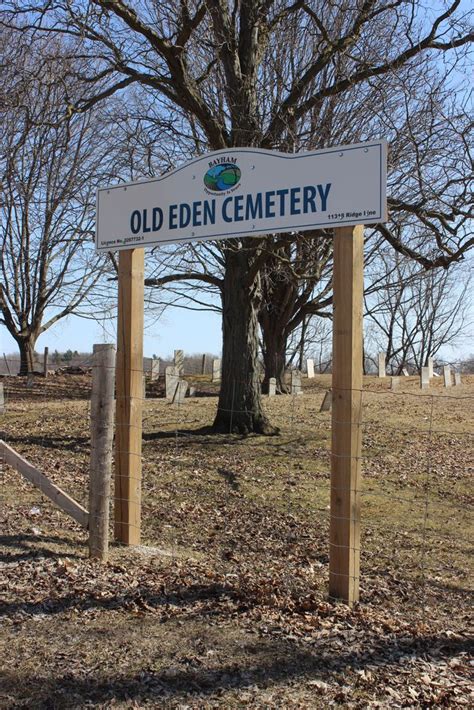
(240, 403)
(274, 355)
(26, 345)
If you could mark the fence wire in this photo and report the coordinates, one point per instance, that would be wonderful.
(263, 503)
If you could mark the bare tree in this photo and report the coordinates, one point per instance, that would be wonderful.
(316, 343)
(412, 313)
(296, 282)
(49, 169)
(213, 70)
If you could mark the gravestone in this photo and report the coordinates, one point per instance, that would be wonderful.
(457, 378)
(2, 399)
(327, 402)
(430, 367)
(180, 392)
(272, 383)
(425, 378)
(179, 361)
(310, 368)
(405, 372)
(447, 376)
(155, 368)
(394, 383)
(382, 372)
(296, 382)
(171, 381)
(216, 370)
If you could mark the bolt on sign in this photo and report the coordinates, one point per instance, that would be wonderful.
(244, 192)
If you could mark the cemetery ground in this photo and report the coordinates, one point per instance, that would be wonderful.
(225, 604)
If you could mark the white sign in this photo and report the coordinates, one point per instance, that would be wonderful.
(246, 191)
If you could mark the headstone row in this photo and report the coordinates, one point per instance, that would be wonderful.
(427, 373)
(178, 364)
(448, 380)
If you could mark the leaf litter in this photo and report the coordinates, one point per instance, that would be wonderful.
(226, 604)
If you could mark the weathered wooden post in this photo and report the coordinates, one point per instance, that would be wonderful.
(344, 535)
(129, 377)
(102, 434)
(6, 363)
(203, 365)
(45, 362)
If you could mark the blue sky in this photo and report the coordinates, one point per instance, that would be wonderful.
(191, 331)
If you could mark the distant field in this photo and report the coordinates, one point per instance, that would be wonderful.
(225, 605)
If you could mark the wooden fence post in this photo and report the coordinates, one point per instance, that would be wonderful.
(344, 532)
(6, 363)
(129, 378)
(102, 434)
(45, 362)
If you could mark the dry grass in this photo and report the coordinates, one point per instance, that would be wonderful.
(226, 606)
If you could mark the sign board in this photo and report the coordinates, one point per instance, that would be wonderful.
(246, 191)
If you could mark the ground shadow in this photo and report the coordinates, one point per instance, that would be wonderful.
(230, 477)
(65, 443)
(269, 662)
(203, 435)
(141, 597)
(443, 587)
(27, 552)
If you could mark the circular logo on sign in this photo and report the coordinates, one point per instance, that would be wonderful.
(222, 177)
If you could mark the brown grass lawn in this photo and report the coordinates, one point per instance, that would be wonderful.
(225, 604)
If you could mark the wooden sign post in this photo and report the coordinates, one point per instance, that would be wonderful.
(227, 194)
(129, 393)
(344, 536)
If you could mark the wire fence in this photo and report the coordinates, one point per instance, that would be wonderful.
(199, 364)
(196, 364)
(258, 508)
